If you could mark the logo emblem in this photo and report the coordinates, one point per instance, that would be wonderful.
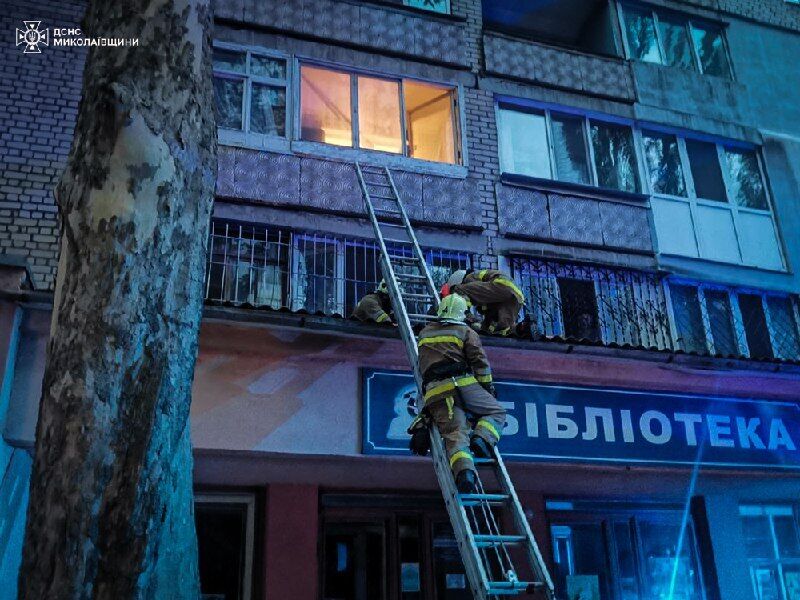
(32, 36)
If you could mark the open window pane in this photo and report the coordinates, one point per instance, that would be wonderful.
(640, 32)
(755, 326)
(268, 109)
(675, 39)
(614, 156)
(429, 121)
(569, 149)
(325, 106)
(704, 162)
(523, 144)
(229, 60)
(664, 164)
(720, 320)
(379, 115)
(747, 187)
(688, 318)
(228, 95)
(711, 50)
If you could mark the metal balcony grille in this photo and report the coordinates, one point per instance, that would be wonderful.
(594, 305)
(278, 268)
(718, 321)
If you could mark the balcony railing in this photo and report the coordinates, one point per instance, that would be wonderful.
(278, 268)
(595, 305)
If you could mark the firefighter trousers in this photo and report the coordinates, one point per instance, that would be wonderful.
(450, 416)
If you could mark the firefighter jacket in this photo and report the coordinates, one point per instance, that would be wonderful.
(450, 356)
(374, 307)
(492, 276)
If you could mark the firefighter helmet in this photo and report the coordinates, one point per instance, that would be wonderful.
(453, 308)
(382, 287)
(456, 278)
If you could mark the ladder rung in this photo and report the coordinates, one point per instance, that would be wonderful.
(475, 499)
(419, 317)
(408, 260)
(387, 211)
(396, 241)
(500, 588)
(484, 461)
(487, 541)
(395, 225)
(383, 185)
(410, 277)
(425, 297)
(375, 197)
(372, 169)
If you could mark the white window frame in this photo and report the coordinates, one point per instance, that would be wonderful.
(455, 94)
(249, 501)
(688, 25)
(694, 201)
(243, 136)
(776, 562)
(586, 124)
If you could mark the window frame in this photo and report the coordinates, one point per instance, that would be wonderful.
(689, 21)
(458, 122)
(739, 327)
(770, 511)
(695, 202)
(249, 501)
(587, 119)
(244, 136)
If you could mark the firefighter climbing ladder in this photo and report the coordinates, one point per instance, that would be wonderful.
(497, 564)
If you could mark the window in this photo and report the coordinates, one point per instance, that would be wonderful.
(439, 6)
(675, 40)
(397, 116)
(250, 92)
(591, 304)
(772, 543)
(258, 266)
(710, 200)
(610, 553)
(526, 136)
(225, 531)
(716, 320)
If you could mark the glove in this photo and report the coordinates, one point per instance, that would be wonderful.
(420, 443)
(489, 387)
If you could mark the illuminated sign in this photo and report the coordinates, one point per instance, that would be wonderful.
(571, 423)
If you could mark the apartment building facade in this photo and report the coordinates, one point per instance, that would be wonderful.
(633, 165)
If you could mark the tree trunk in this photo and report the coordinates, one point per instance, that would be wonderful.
(110, 513)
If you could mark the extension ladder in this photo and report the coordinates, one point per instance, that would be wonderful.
(497, 564)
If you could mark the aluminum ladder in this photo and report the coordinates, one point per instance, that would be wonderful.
(497, 564)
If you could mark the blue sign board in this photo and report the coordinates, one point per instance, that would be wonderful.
(584, 424)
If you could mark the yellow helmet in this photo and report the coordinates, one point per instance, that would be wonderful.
(453, 308)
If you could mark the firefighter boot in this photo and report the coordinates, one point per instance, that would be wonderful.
(465, 481)
(479, 447)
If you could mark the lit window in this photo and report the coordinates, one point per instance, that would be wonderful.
(720, 321)
(772, 544)
(250, 92)
(379, 115)
(429, 118)
(675, 40)
(326, 107)
(525, 136)
(325, 113)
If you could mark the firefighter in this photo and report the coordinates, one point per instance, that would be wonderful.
(495, 295)
(457, 382)
(376, 306)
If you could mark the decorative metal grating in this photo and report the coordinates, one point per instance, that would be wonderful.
(594, 305)
(278, 268)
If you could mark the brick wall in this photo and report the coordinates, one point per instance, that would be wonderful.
(39, 96)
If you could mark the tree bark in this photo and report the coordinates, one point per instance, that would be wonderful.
(111, 513)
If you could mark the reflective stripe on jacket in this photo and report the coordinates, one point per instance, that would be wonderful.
(498, 277)
(450, 343)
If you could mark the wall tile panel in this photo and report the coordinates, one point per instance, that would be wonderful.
(625, 226)
(523, 212)
(576, 220)
(330, 185)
